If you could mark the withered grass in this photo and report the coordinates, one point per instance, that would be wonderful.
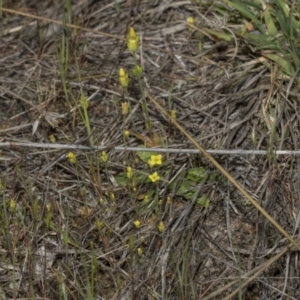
(67, 230)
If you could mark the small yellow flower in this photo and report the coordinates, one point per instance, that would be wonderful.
(137, 224)
(169, 200)
(104, 156)
(101, 201)
(52, 138)
(84, 102)
(99, 224)
(160, 202)
(133, 41)
(155, 160)
(154, 177)
(129, 172)
(173, 114)
(146, 199)
(72, 157)
(190, 21)
(139, 251)
(126, 134)
(125, 107)
(137, 71)
(48, 207)
(123, 78)
(112, 196)
(161, 226)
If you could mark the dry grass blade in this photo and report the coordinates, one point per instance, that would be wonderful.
(225, 173)
(17, 12)
(101, 196)
(266, 265)
(253, 273)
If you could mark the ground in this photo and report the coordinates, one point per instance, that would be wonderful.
(89, 209)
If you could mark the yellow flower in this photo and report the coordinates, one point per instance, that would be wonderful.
(173, 114)
(129, 172)
(133, 41)
(125, 107)
(154, 177)
(84, 102)
(155, 160)
(126, 134)
(48, 207)
(104, 156)
(137, 224)
(190, 21)
(72, 157)
(169, 200)
(52, 138)
(139, 251)
(99, 224)
(161, 226)
(137, 71)
(123, 78)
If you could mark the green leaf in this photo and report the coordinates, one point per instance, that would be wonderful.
(204, 201)
(196, 174)
(185, 187)
(284, 10)
(219, 34)
(145, 155)
(269, 22)
(212, 176)
(284, 64)
(121, 179)
(283, 25)
(246, 12)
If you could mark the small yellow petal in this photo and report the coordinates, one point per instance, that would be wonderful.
(48, 207)
(140, 251)
(161, 226)
(84, 102)
(52, 138)
(137, 224)
(125, 107)
(129, 172)
(72, 157)
(123, 78)
(173, 114)
(155, 160)
(104, 156)
(126, 134)
(133, 40)
(190, 21)
(154, 177)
